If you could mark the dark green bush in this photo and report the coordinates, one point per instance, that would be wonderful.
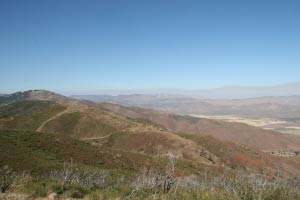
(77, 194)
(77, 191)
(36, 189)
(57, 188)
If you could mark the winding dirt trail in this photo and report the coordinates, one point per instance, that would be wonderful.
(73, 107)
(40, 128)
(97, 138)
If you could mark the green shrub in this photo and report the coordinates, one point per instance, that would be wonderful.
(36, 189)
(57, 188)
(77, 194)
(77, 191)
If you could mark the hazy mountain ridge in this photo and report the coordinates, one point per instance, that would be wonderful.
(283, 100)
(273, 107)
(241, 92)
(225, 92)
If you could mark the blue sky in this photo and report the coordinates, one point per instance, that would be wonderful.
(72, 45)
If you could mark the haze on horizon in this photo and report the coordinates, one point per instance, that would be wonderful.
(85, 46)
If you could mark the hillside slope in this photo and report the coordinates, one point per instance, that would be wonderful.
(135, 131)
(100, 127)
(33, 95)
(233, 132)
(27, 115)
(38, 154)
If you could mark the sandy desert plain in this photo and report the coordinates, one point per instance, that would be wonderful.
(279, 125)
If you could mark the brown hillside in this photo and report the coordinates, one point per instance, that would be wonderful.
(101, 127)
(105, 128)
(141, 131)
(231, 154)
(233, 132)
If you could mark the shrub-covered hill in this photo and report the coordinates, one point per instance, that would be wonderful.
(135, 130)
(137, 147)
(40, 153)
(33, 95)
(27, 115)
(243, 134)
(100, 127)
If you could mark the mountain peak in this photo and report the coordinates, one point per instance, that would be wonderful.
(43, 95)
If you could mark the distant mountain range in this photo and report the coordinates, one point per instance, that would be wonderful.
(239, 92)
(273, 104)
(272, 107)
(226, 92)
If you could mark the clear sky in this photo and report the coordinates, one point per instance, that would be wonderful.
(86, 45)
